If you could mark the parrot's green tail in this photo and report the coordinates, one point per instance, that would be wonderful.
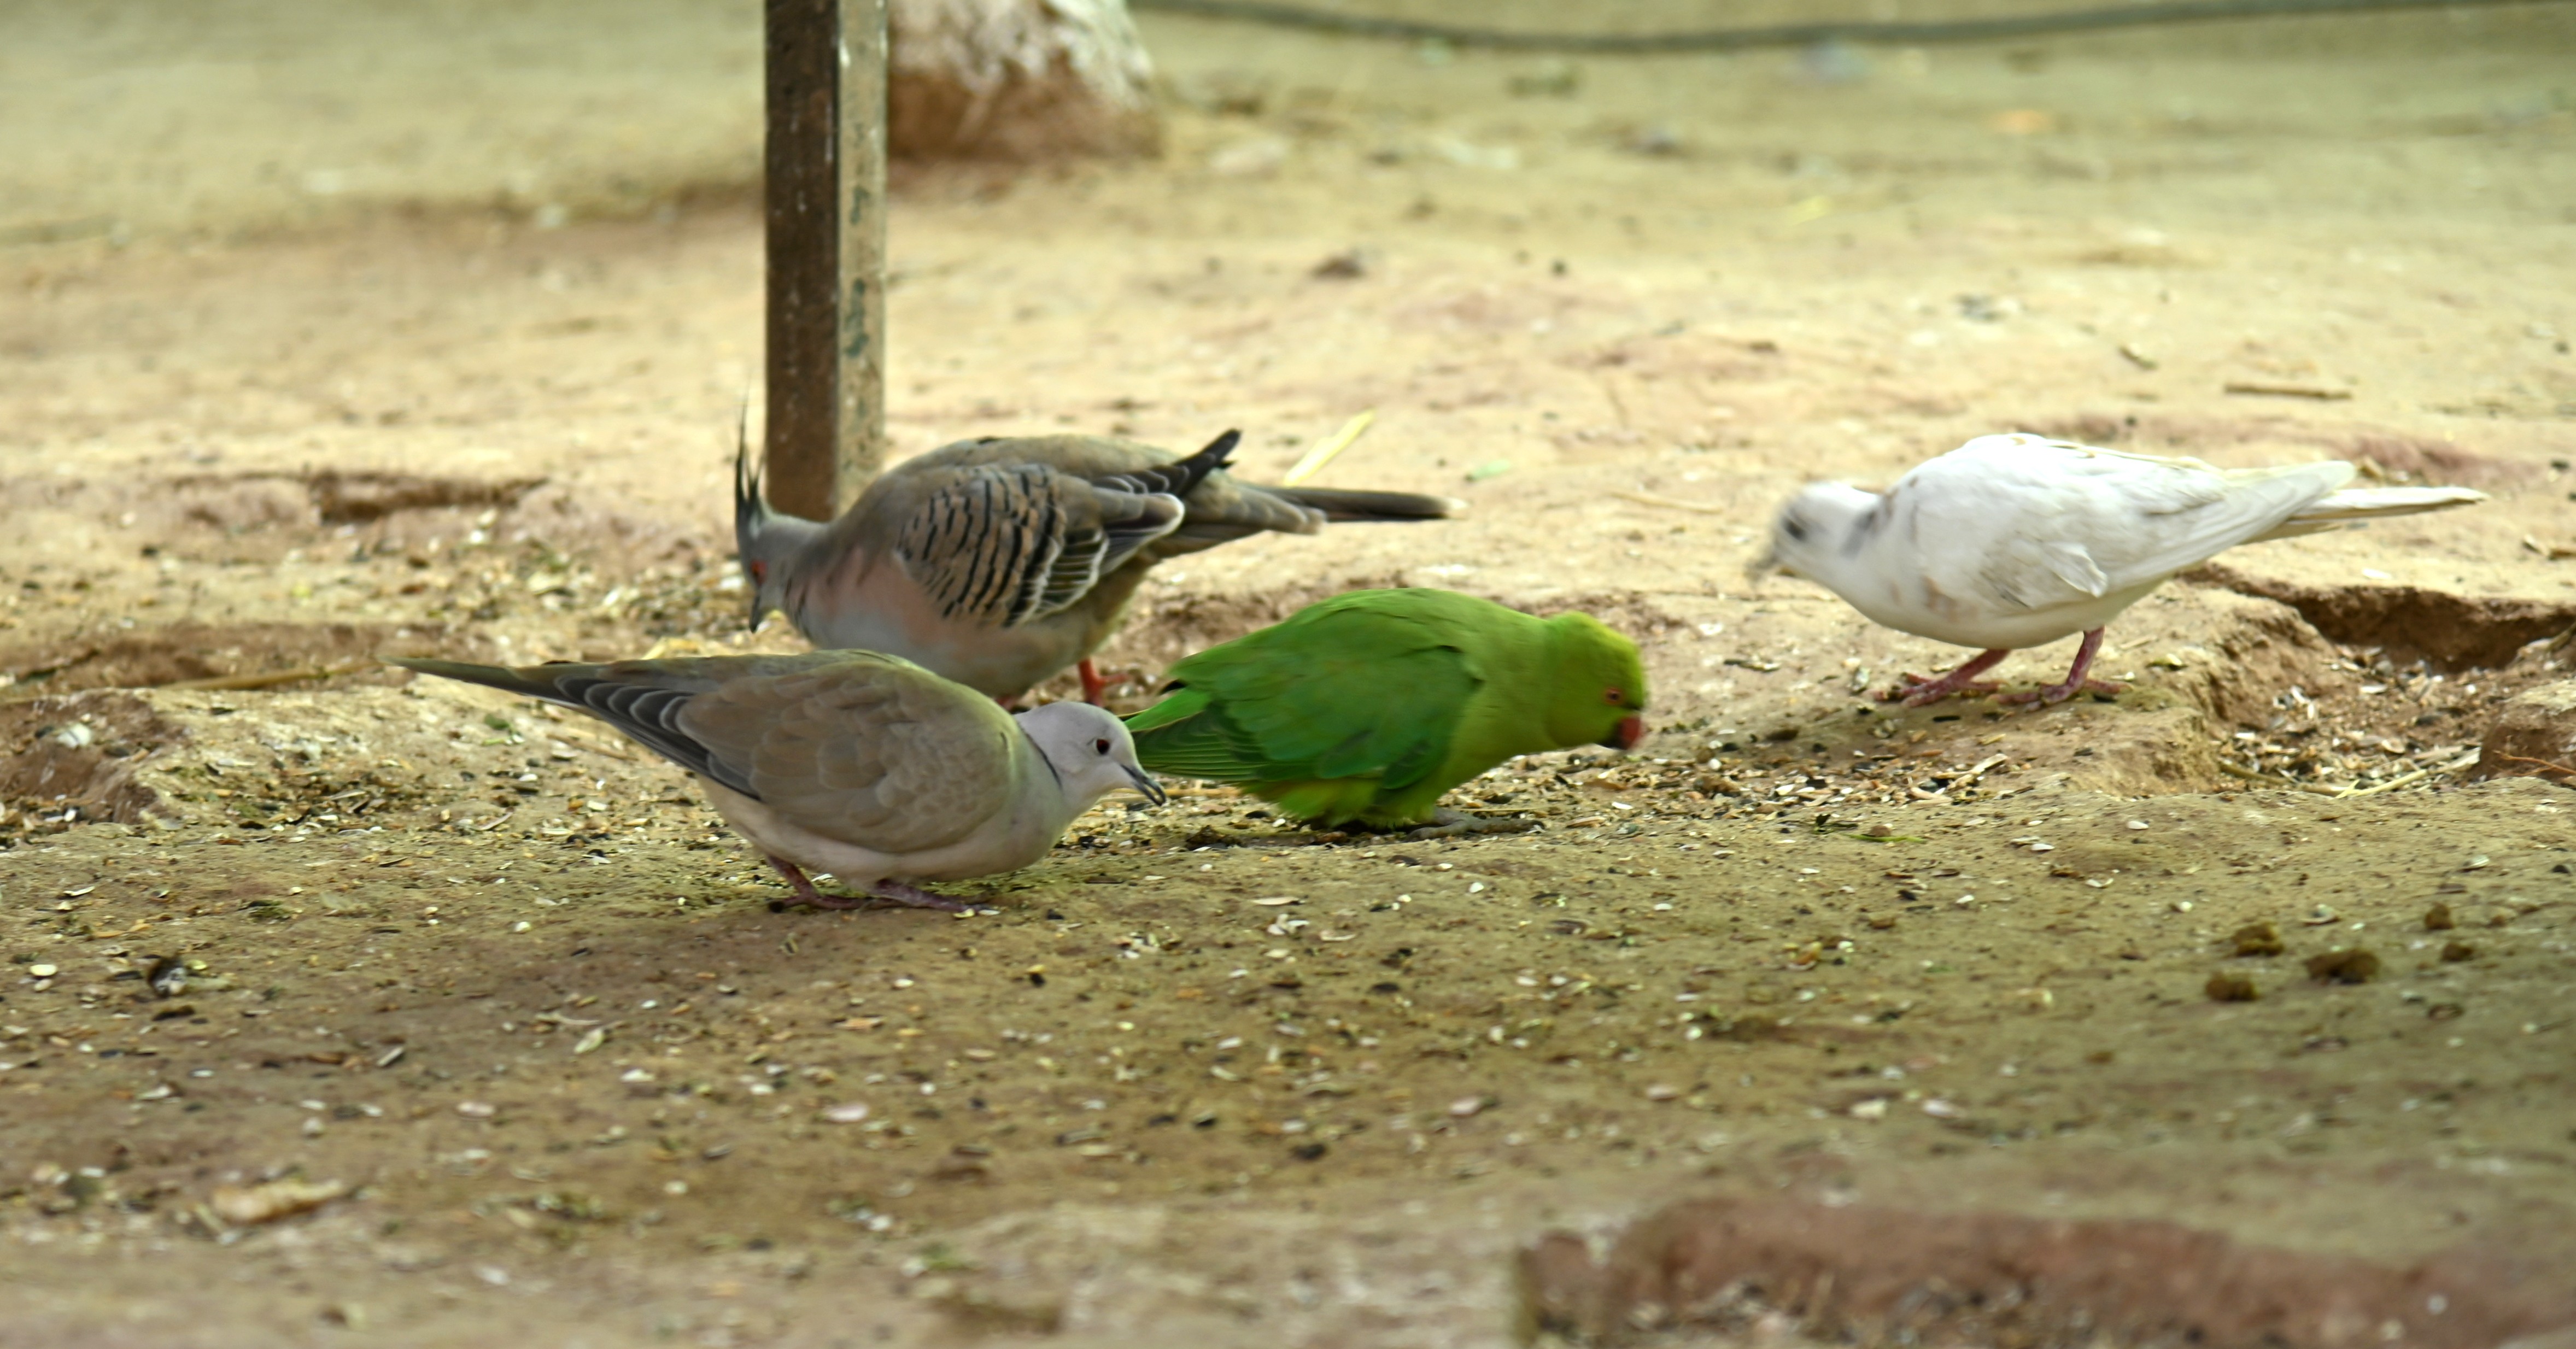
(1182, 704)
(1183, 737)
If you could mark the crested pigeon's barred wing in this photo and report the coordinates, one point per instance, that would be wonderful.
(1180, 477)
(1005, 545)
(1222, 508)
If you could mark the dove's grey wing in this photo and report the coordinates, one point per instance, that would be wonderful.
(641, 698)
(865, 750)
(1009, 544)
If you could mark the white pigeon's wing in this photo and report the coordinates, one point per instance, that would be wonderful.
(2073, 563)
(2250, 504)
(2042, 522)
(867, 750)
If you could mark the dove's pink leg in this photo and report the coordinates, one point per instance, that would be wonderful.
(882, 890)
(1917, 690)
(2075, 681)
(1092, 684)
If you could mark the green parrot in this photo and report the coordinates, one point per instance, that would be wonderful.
(1368, 706)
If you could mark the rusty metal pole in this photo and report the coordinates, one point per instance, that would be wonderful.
(826, 108)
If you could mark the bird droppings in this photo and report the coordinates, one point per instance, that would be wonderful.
(2257, 939)
(2356, 965)
(2232, 988)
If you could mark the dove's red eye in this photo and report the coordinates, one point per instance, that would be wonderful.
(1100, 746)
(760, 571)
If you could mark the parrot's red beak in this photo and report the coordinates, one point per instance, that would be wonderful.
(1629, 732)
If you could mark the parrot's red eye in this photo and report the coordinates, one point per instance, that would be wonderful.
(1614, 697)
(1100, 746)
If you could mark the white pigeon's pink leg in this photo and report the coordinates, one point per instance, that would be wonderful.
(895, 891)
(1917, 690)
(1092, 684)
(2075, 681)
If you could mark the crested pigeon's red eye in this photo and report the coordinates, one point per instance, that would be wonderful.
(1100, 746)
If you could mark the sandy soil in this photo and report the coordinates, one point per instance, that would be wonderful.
(511, 982)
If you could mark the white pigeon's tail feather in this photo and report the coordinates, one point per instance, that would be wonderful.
(2368, 503)
(2361, 503)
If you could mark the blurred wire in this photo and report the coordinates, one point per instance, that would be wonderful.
(1796, 34)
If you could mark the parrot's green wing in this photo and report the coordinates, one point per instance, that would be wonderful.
(1349, 691)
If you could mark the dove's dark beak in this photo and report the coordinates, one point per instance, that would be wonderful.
(1145, 783)
(1766, 565)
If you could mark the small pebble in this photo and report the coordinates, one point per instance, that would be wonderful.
(1466, 1105)
(476, 1109)
(41, 971)
(853, 1113)
(272, 1201)
(2454, 952)
(2438, 919)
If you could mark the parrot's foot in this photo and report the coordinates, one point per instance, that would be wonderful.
(1918, 691)
(1092, 684)
(1453, 824)
(879, 894)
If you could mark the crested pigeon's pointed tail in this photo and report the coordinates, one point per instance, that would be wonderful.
(1345, 506)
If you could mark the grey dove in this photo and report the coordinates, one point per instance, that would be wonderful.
(998, 562)
(851, 762)
(2017, 540)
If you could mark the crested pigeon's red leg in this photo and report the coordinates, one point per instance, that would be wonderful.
(1917, 690)
(1092, 684)
(2075, 682)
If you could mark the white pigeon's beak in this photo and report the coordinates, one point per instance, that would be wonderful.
(1145, 783)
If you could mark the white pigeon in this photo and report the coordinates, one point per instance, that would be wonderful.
(854, 763)
(998, 562)
(2017, 540)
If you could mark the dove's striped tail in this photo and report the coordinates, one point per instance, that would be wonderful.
(526, 683)
(2370, 503)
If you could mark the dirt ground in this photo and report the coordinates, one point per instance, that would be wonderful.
(400, 331)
